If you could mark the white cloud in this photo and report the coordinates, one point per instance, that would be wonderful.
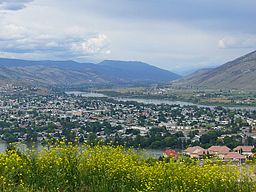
(17, 39)
(11, 32)
(93, 45)
(239, 41)
(108, 52)
(221, 44)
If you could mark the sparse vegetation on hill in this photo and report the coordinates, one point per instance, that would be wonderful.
(70, 73)
(106, 169)
(237, 74)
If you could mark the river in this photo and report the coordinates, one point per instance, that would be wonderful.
(154, 153)
(155, 101)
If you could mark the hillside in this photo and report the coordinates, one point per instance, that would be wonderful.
(74, 73)
(135, 71)
(189, 79)
(238, 74)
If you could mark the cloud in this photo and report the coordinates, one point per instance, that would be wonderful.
(171, 34)
(221, 44)
(205, 14)
(13, 5)
(93, 45)
(19, 40)
(237, 42)
(11, 32)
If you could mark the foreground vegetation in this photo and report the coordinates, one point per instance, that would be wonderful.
(107, 168)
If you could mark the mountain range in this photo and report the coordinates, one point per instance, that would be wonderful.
(237, 74)
(74, 73)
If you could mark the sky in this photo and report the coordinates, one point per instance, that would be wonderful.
(177, 35)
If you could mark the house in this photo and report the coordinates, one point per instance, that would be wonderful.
(170, 153)
(195, 152)
(234, 156)
(196, 138)
(244, 150)
(219, 151)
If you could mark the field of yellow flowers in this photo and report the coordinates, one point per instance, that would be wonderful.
(106, 169)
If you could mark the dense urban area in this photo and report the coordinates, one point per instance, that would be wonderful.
(27, 116)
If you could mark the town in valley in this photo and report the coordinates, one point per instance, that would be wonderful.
(34, 115)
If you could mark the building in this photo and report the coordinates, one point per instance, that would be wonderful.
(234, 156)
(170, 153)
(195, 152)
(218, 151)
(244, 150)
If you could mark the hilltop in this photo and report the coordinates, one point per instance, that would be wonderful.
(237, 74)
(74, 73)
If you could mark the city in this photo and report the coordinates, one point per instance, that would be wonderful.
(37, 118)
(127, 96)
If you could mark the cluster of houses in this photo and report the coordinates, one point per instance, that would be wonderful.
(239, 154)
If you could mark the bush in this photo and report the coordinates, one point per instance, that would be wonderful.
(106, 168)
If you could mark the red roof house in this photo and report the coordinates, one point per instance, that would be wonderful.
(218, 149)
(195, 152)
(170, 153)
(234, 156)
(244, 150)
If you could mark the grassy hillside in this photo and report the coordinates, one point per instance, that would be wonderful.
(237, 74)
(74, 73)
(106, 169)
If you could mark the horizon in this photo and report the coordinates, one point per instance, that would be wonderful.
(181, 73)
(177, 36)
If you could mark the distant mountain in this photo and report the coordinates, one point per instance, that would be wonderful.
(74, 73)
(238, 74)
(191, 78)
(135, 71)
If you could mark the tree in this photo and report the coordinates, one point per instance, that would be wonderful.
(161, 117)
(254, 150)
